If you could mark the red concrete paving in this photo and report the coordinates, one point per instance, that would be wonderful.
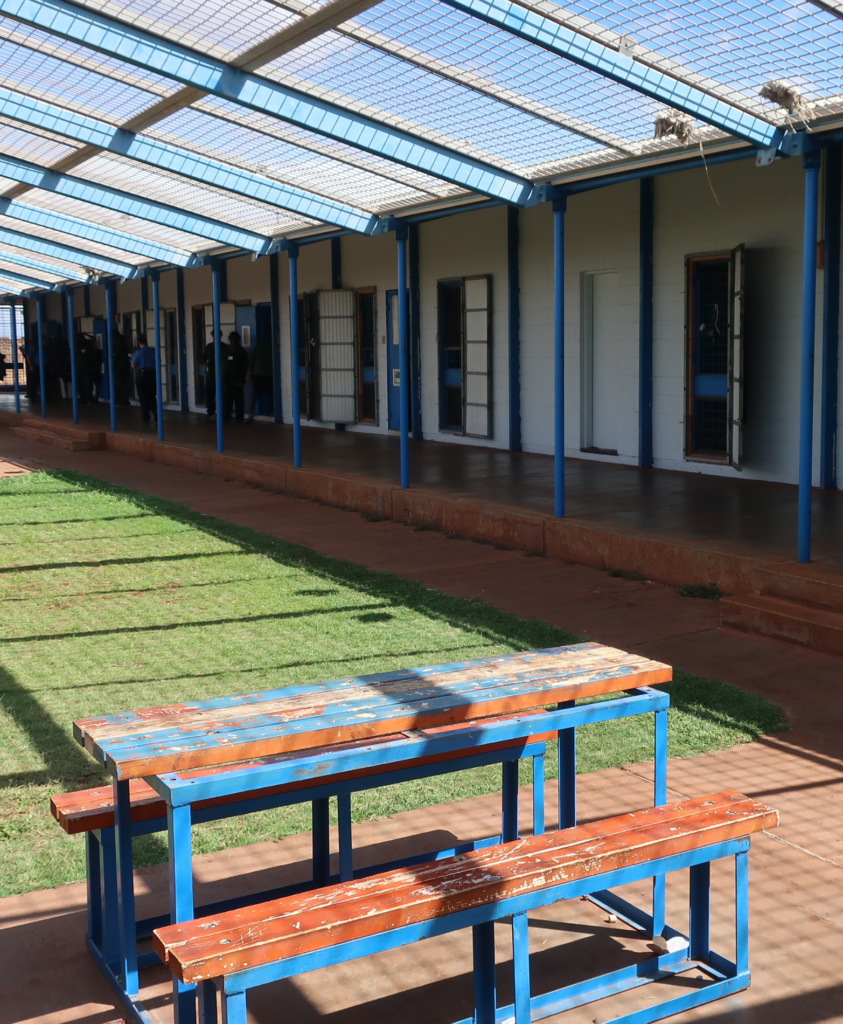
(797, 872)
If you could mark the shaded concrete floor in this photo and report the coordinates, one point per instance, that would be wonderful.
(740, 516)
(796, 872)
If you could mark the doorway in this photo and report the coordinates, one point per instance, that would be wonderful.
(393, 366)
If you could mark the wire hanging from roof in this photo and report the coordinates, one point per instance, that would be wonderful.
(789, 98)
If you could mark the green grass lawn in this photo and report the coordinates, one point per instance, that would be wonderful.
(113, 600)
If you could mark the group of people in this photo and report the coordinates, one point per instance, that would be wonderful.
(58, 377)
(237, 367)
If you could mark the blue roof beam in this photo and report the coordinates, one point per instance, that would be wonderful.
(588, 53)
(88, 260)
(171, 158)
(29, 282)
(132, 205)
(135, 46)
(69, 273)
(94, 233)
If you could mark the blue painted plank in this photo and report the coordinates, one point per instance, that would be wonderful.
(179, 790)
(132, 44)
(133, 205)
(588, 53)
(94, 232)
(66, 252)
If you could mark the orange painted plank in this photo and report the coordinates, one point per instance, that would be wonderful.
(305, 922)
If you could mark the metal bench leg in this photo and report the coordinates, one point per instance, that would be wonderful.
(111, 922)
(346, 845)
(509, 800)
(92, 856)
(567, 754)
(521, 967)
(700, 919)
(321, 841)
(659, 798)
(207, 1002)
(234, 1008)
(181, 900)
(538, 795)
(485, 988)
(742, 912)
(125, 888)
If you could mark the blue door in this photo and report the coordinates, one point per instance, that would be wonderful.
(392, 367)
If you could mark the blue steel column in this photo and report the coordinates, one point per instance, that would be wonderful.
(156, 314)
(403, 353)
(415, 332)
(181, 898)
(13, 330)
(809, 312)
(71, 337)
(514, 325)
(275, 334)
(110, 303)
(559, 207)
(42, 375)
(293, 253)
(181, 327)
(125, 887)
(645, 324)
(831, 316)
(215, 275)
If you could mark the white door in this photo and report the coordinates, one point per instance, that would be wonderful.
(602, 386)
(337, 357)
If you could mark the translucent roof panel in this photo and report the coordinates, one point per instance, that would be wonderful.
(122, 222)
(261, 154)
(42, 274)
(219, 28)
(268, 125)
(163, 187)
(379, 85)
(71, 241)
(81, 56)
(741, 43)
(37, 74)
(40, 263)
(27, 145)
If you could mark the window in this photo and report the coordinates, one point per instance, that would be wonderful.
(714, 337)
(464, 340)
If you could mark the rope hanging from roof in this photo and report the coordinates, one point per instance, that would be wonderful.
(789, 98)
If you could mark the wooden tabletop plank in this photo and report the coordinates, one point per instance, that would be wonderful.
(159, 751)
(298, 924)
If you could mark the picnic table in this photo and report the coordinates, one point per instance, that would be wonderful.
(337, 737)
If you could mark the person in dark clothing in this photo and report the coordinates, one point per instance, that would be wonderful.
(95, 364)
(84, 384)
(33, 369)
(122, 369)
(234, 377)
(261, 370)
(143, 363)
(211, 375)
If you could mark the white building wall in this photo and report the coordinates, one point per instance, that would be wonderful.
(465, 245)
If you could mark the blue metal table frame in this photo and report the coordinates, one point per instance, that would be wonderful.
(117, 927)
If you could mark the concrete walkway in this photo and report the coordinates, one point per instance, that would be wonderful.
(796, 875)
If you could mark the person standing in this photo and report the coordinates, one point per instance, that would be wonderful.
(261, 370)
(234, 378)
(211, 375)
(143, 363)
(33, 368)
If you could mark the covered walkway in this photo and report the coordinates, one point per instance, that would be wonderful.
(742, 517)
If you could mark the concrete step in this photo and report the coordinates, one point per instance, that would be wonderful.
(806, 584)
(96, 438)
(817, 628)
(70, 444)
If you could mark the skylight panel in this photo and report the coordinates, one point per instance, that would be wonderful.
(27, 145)
(60, 238)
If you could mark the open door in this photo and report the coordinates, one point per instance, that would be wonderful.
(337, 356)
(477, 334)
(736, 351)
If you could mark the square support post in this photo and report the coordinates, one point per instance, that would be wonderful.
(216, 273)
(181, 327)
(566, 781)
(401, 233)
(13, 331)
(156, 318)
(181, 900)
(645, 323)
(514, 326)
(293, 254)
(110, 311)
(127, 932)
(71, 338)
(811, 162)
(831, 315)
(42, 375)
(415, 332)
(485, 986)
(559, 207)
(275, 335)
